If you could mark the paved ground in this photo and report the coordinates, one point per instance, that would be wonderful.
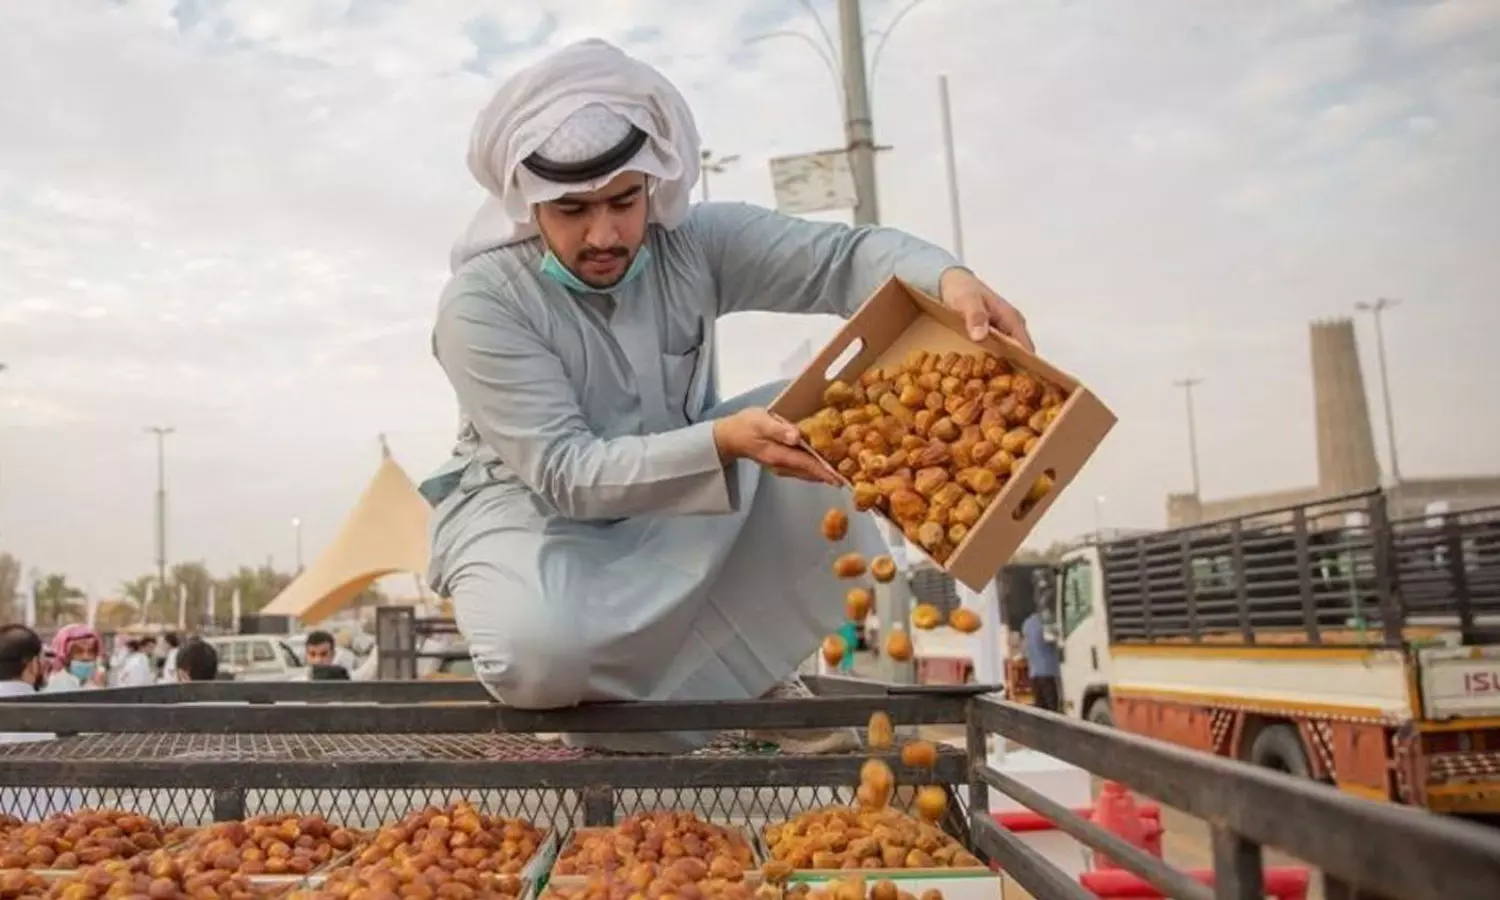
(1186, 842)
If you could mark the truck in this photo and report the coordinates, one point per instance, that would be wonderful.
(1327, 640)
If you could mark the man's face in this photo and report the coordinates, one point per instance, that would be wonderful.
(597, 234)
(320, 654)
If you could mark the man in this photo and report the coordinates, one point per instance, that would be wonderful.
(22, 668)
(22, 673)
(1042, 664)
(169, 662)
(606, 530)
(197, 660)
(321, 655)
(319, 649)
(139, 667)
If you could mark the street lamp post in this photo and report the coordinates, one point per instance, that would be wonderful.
(297, 533)
(1187, 385)
(852, 73)
(161, 433)
(1375, 309)
(715, 165)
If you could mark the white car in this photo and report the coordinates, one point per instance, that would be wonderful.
(257, 657)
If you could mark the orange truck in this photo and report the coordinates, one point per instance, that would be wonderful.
(1327, 640)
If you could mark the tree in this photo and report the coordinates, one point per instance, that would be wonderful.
(194, 579)
(10, 582)
(257, 586)
(57, 601)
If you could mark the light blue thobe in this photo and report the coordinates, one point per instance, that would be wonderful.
(592, 543)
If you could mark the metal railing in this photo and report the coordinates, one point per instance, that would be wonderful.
(1363, 848)
(258, 747)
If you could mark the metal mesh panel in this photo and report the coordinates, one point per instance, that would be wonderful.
(295, 747)
(559, 810)
(173, 807)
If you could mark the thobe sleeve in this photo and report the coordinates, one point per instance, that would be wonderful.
(767, 262)
(512, 386)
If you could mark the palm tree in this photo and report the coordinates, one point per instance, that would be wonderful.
(57, 601)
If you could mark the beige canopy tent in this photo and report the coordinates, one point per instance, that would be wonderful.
(385, 533)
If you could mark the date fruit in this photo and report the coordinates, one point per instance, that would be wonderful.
(850, 565)
(835, 524)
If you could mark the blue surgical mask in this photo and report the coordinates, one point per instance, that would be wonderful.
(553, 268)
(83, 670)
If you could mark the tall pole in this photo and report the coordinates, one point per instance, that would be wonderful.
(1187, 385)
(859, 129)
(951, 160)
(297, 533)
(3, 368)
(716, 165)
(161, 508)
(1099, 516)
(1375, 310)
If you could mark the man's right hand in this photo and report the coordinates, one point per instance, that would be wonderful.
(756, 435)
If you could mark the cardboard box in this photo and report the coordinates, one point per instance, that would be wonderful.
(898, 319)
(752, 872)
(531, 874)
(956, 884)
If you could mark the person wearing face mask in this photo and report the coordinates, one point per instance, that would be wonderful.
(75, 659)
(606, 528)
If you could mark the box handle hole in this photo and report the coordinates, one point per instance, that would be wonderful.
(1038, 491)
(842, 361)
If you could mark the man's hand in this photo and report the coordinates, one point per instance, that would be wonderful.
(982, 308)
(756, 435)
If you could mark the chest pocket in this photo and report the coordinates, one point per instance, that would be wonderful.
(681, 355)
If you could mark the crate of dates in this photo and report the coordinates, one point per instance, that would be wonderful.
(269, 850)
(962, 445)
(872, 854)
(658, 848)
(455, 852)
(68, 841)
(389, 879)
(158, 875)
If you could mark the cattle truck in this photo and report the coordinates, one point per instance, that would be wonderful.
(1327, 640)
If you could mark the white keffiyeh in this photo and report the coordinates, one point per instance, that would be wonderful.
(571, 106)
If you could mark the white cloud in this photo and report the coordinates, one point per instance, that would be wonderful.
(234, 215)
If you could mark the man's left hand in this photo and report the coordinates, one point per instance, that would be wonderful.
(982, 308)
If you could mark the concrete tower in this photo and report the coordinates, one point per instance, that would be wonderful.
(1346, 443)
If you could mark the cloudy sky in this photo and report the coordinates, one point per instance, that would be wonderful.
(233, 217)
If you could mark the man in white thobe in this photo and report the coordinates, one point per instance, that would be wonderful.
(606, 529)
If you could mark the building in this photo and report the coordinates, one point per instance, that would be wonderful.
(1346, 450)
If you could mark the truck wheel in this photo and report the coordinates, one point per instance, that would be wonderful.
(1279, 747)
(1100, 714)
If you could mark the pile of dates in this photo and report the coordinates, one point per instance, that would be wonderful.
(645, 845)
(267, 845)
(72, 840)
(155, 876)
(931, 442)
(864, 838)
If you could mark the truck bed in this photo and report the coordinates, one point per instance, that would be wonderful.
(1332, 572)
